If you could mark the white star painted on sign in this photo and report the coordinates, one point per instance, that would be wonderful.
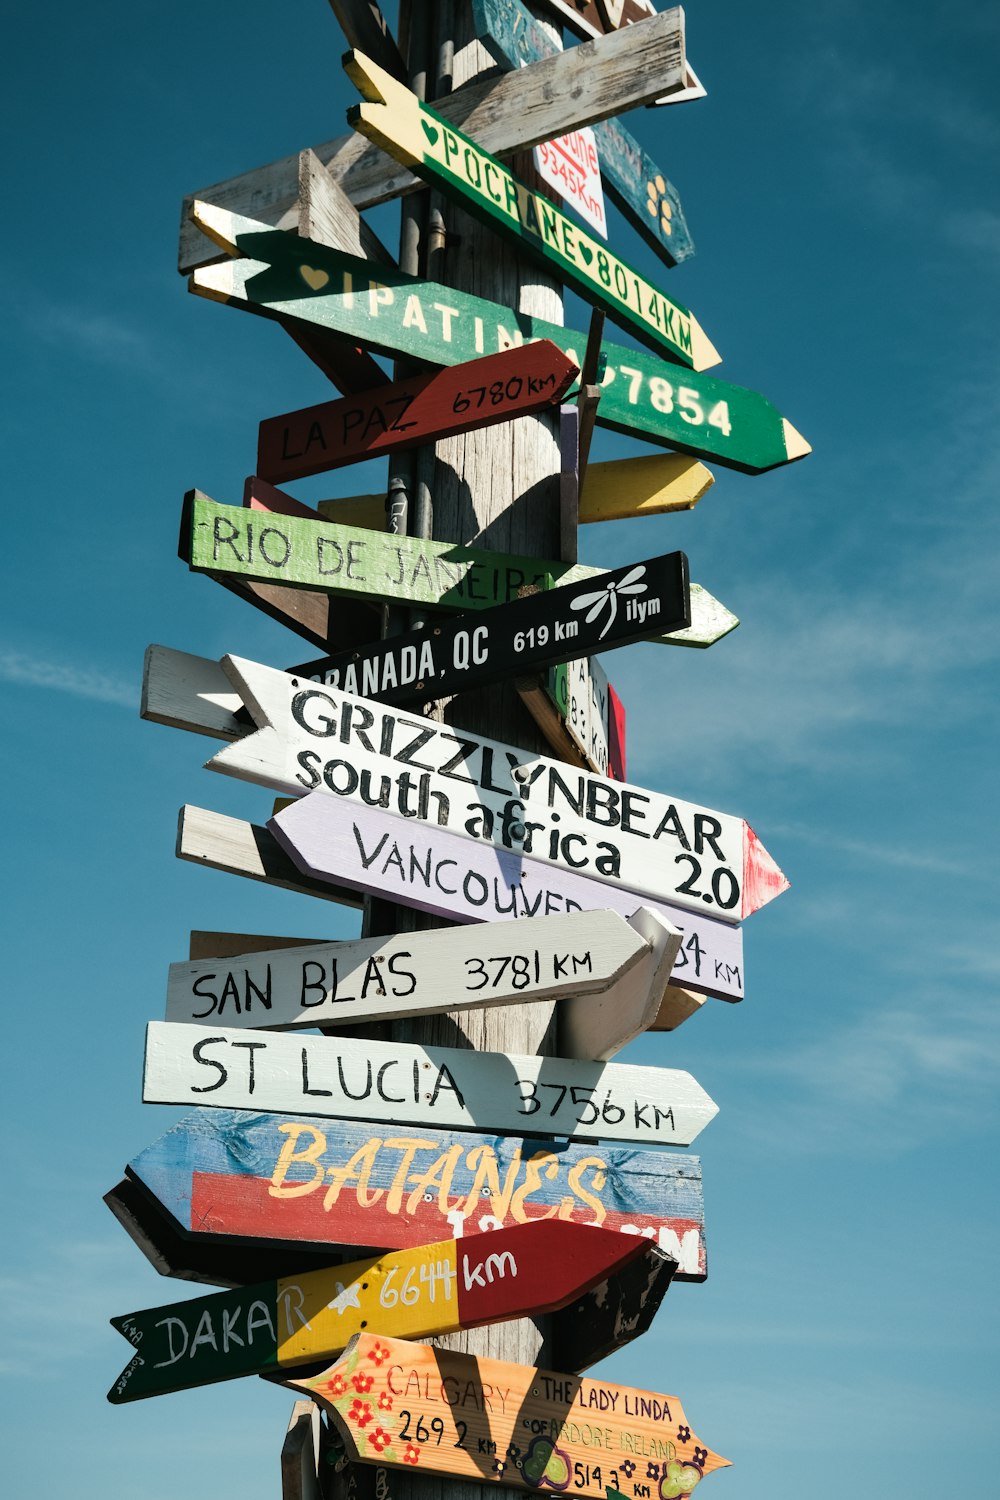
(347, 1296)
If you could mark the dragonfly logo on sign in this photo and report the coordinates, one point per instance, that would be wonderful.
(608, 596)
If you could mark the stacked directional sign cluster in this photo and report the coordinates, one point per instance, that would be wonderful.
(338, 1183)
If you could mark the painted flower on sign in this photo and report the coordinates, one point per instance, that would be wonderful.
(361, 1383)
(379, 1354)
(379, 1439)
(337, 1386)
(659, 204)
(385, 1402)
(607, 597)
(360, 1412)
(412, 1454)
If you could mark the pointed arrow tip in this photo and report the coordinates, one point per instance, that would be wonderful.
(703, 352)
(795, 444)
(702, 479)
(118, 1392)
(373, 83)
(217, 283)
(217, 223)
(762, 879)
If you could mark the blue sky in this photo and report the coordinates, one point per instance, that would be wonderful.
(840, 182)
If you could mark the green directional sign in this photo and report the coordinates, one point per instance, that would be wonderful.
(419, 138)
(287, 276)
(264, 547)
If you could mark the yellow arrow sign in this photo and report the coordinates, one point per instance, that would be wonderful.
(643, 487)
(615, 491)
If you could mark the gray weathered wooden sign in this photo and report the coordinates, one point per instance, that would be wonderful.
(342, 1078)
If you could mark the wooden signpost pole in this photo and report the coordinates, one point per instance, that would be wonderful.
(500, 488)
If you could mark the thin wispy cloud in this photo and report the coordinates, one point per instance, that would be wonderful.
(29, 670)
(66, 1286)
(861, 1416)
(975, 229)
(897, 192)
(868, 850)
(862, 1336)
(810, 678)
(976, 956)
(853, 88)
(897, 1074)
(830, 660)
(98, 335)
(139, 346)
(876, 117)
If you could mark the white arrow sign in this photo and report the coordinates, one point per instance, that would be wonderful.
(399, 1083)
(608, 976)
(418, 864)
(314, 738)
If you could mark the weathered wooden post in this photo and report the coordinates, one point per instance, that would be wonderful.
(500, 486)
